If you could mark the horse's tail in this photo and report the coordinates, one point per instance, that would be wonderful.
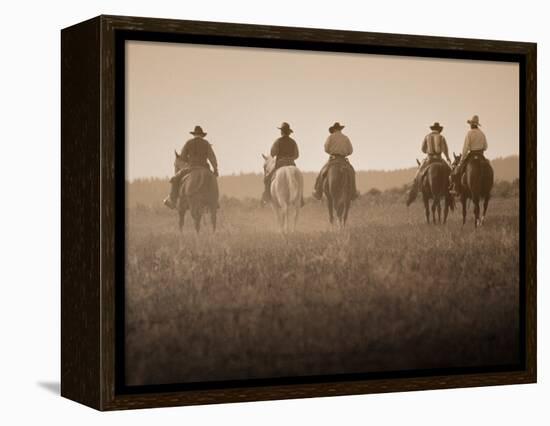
(288, 187)
(340, 187)
(479, 176)
(201, 187)
(295, 186)
(346, 182)
(438, 179)
(487, 178)
(213, 194)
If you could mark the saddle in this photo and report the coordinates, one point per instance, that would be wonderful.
(188, 170)
(187, 173)
(280, 162)
(471, 156)
(342, 162)
(283, 162)
(432, 159)
(338, 158)
(475, 156)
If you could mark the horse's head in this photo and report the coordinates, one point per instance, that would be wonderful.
(269, 164)
(456, 160)
(179, 163)
(454, 177)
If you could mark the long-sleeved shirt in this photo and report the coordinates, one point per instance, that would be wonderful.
(338, 144)
(475, 141)
(285, 147)
(435, 143)
(196, 151)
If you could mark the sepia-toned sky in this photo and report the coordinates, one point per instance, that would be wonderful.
(241, 95)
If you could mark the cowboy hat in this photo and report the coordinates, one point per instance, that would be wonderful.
(474, 120)
(198, 131)
(285, 127)
(436, 126)
(335, 126)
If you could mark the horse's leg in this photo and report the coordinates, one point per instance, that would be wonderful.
(296, 214)
(196, 213)
(214, 217)
(463, 201)
(291, 218)
(340, 213)
(485, 205)
(346, 211)
(439, 210)
(278, 216)
(286, 213)
(426, 207)
(434, 208)
(446, 210)
(475, 200)
(280, 211)
(330, 209)
(182, 211)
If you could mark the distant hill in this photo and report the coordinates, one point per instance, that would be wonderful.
(250, 185)
(507, 168)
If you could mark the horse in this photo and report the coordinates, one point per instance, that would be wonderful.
(198, 193)
(337, 188)
(475, 183)
(287, 190)
(434, 186)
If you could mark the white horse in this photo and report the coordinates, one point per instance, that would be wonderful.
(287, 191)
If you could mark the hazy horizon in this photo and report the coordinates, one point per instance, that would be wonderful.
(260, 172)
(386, 102)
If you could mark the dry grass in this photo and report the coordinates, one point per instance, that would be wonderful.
(389, 293)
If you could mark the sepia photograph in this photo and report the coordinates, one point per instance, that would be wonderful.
(296, 213)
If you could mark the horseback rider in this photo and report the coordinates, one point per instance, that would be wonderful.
(474, 143)
(285, 151)
(339, 147)
(433, 145)
(196, 153)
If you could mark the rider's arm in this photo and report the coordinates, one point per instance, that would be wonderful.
(328, 145)
(275, 148)
(484, 143)
(212, 158)
(348, 148)
(185, 152)
(466, 147)
(296, 151)
(445, 148)
(425, 145)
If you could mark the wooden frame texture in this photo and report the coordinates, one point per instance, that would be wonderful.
(90, 199)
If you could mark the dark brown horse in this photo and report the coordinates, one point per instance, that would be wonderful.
(435, 186)
(337, 189)
(198, 193)
(474, 184)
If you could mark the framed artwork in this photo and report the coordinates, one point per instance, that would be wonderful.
(256, 212)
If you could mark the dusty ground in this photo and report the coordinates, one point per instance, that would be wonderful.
(388, 293)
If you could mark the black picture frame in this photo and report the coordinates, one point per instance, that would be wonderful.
(93, 205)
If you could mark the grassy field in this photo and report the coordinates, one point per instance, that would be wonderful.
(388, 293)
